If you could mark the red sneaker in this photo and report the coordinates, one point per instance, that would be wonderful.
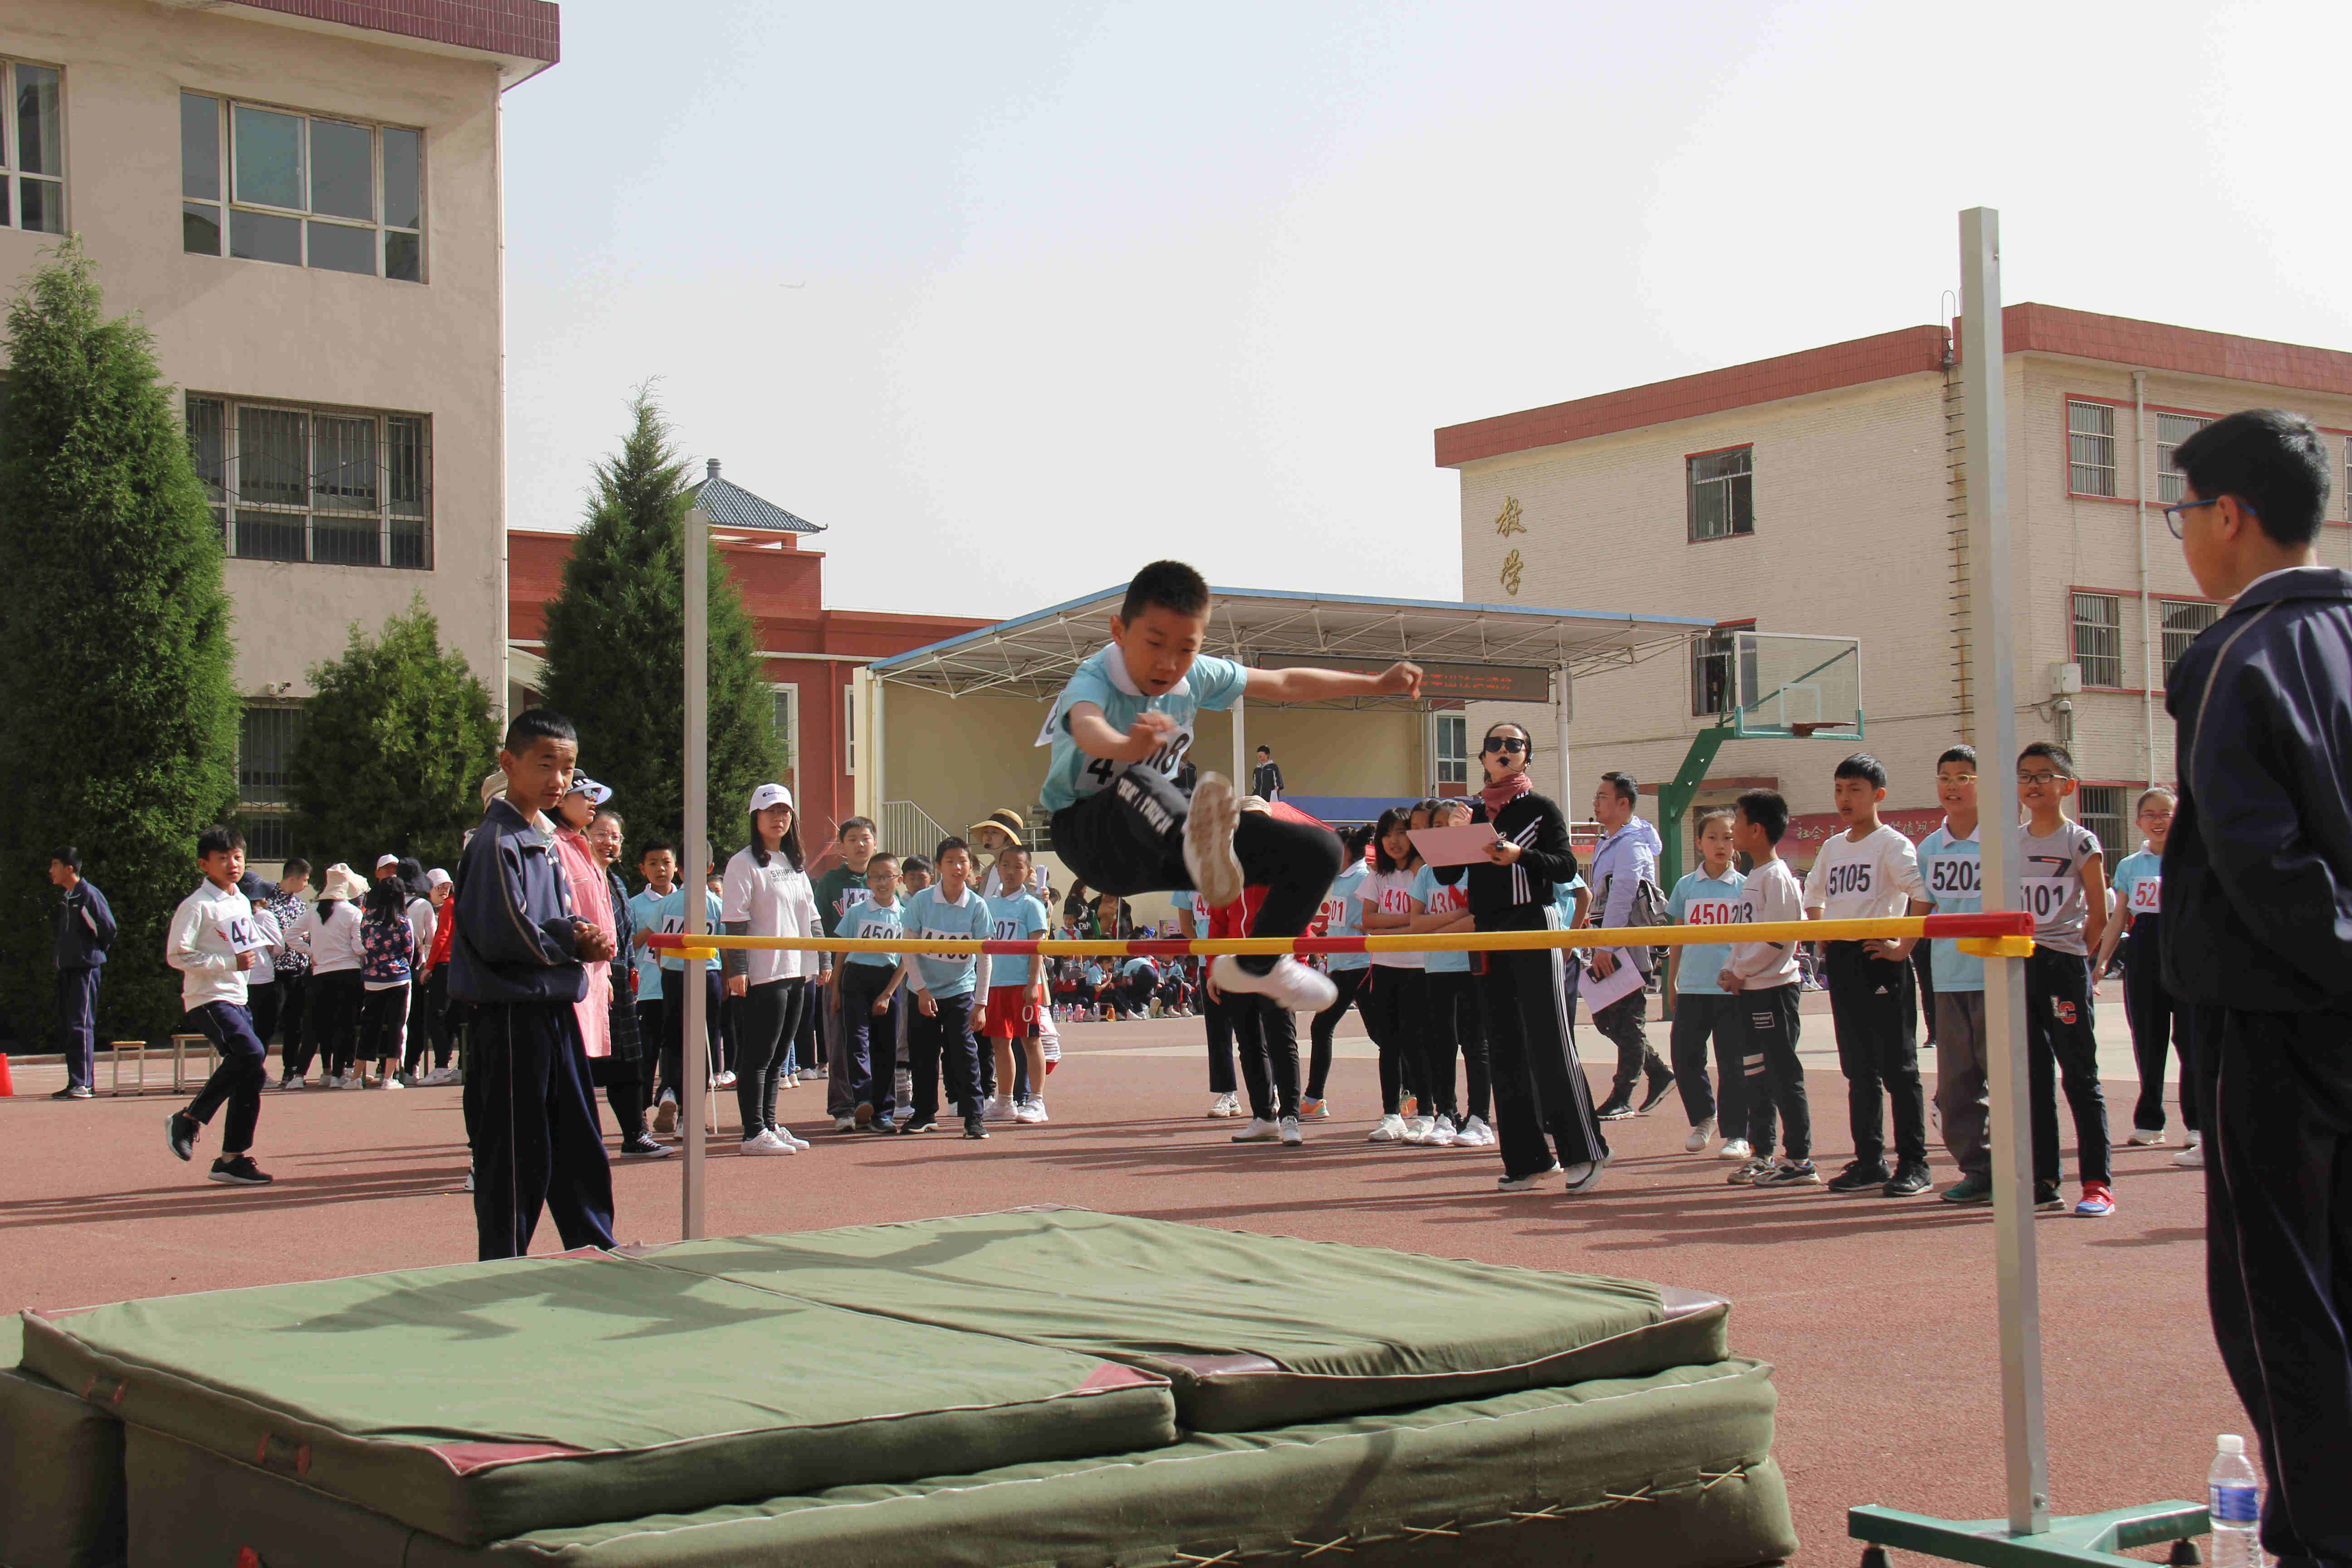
(2098, 1201)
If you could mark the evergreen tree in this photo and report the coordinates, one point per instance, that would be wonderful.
(616, 648)
(392, 749)
(119, 716)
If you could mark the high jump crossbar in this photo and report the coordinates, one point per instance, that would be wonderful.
(2008, 934)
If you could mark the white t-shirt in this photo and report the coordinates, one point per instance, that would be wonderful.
(1869, 881)
(772, 900)
(1391, 891)
(1768, 893)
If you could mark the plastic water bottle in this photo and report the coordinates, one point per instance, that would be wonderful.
(2234, 1498)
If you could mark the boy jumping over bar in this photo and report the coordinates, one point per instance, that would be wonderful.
(1119, 732)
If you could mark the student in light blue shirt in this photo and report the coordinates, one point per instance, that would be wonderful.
(1013, 1072)
(1453, 1026)
(869, 997)
(1708, 895)
(950, 993)
(1951, 875)
(2159, 1024)
(1347, 970)
(669, 915)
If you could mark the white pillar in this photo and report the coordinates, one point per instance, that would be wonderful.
(696, 859)
(1985, 387)
(1241, 745)
(1564, 706)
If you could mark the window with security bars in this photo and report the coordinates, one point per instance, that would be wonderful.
(2171, 429)
(333, 486)
(2098, 638)
(1714, 675)
(302, 190)
(1450, 754)
(265, 762)
(2090, 448)
(2182, 620)
(2100, 809)
(1722, 493)
(31, 150)
(787, 722)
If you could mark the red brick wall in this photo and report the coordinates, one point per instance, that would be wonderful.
(530, 29)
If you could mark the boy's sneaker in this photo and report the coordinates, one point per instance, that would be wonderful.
(645, 1147)
(2146, 1137)
(1291, 1136)
(1969, 1190)
(766, 1142)
(1790, 1174)
(925, 1125)
(865, 1114)
(180, 1131)
(74, 1091)
(1032, 1110)
(240, 1171)
(1290, 984)
(973, 1127)
(2046, 1197)
(1615, 1109)
(2193, 1157)
(1475, 1135)
(1857, 1176)
(1656, 1092)
(1700, 1137)
(1209, 856)
(285, 1083)
(1224, 1105)
(2098, 1201)
(666, 1113)
(844, 1122)
(1258, 1132)
(1734, 1149)
(1443, 1133)
(1532, 1184)
(1750, 1172)
(1910, 1182)
(789, 1136)
(1390, 1131)
(1316, 1108)
(724, 1080)
(1581, 1178)
(1416, 1130)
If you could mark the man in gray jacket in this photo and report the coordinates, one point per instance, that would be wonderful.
(1626, 858)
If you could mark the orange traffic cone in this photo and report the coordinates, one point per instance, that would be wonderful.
(7, 1084)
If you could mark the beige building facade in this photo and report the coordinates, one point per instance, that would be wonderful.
(1821, 493)
(301, 198)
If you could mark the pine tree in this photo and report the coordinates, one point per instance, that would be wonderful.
(119, 716)
(616, 648)
(392, 749)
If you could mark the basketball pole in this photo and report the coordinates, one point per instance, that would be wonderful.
(694, 873)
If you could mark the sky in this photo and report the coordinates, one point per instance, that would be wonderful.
(1014, 299)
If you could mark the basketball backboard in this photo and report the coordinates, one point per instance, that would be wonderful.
(1789, 685)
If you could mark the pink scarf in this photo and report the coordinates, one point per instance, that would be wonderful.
(1504, 790)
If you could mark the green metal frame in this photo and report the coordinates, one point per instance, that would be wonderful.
(2089, 1538)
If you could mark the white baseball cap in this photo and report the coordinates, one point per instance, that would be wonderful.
(583, 785)
(769, 794)
(436, 878)
(383, 860)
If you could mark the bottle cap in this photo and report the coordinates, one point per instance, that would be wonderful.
(2230, 1442)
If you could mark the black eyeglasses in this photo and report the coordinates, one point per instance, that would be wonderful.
(1501, 743)
(2172, 513)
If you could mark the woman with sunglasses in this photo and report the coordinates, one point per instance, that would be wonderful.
(1542, 1103)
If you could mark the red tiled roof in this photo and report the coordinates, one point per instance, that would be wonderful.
(525, 30)
(2151, 345)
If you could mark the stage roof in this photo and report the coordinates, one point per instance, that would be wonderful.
(1034, 655)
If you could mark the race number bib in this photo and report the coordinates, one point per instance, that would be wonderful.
(1955, 876)
(1850, 877)
(1711, 912)
(1098, 772)
(242, 934)
(879, 931)
(1007, 930)
(2147, 896)
(1443, 899)
(2043, 897)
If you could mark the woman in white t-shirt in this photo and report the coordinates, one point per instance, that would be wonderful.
(767, 893)
(330, 932)
(1395, 1001)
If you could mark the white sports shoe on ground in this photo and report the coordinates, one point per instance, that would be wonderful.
(1699, 1137)
(2146, 1137)
(1029, 1111)
(766, 1142)
(1734, 1149)
(1390, 1131)
(789, 1136)
(1290, 984)
(1209, 854)
(996, 1108)
(1475, 1135)
(1443, 1133)
(1534, 1183)
(724, 1080)
(1258, 1132)
(1416, 1130)
(2193, 1157)
(1225, 1105)
(1291, 1136)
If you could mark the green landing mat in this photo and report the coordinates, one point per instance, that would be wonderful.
(1252, 1331)
(60, 1471)
(480, 1401)
(1673, 1471)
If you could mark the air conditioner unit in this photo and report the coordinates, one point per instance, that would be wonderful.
(2066, 678)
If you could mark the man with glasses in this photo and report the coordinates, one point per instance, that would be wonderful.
(2257, 939)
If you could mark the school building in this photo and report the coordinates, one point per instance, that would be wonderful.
(300, 198)
(1822, 492)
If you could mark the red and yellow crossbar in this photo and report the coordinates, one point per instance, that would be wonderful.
(2004, 935)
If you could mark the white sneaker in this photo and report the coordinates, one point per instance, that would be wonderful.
(2192, 1158)
(1030, 1110)
(1443, 1133)
(791, 1136)
(1225, 1105)
(1258, 1132)
(1290, 984)
(1734, 1149)
(724, 1080)
(845, 1124)
(1390, 1131)
(766, 1142)
(1534, 1183)
(1700, 1136)
(289, 1083)
(2146, 1137)
(1209, 856)
(1290, 1134)
(998, 1109)
(1474, 1134)
(1416, 1130)
(390, 1081)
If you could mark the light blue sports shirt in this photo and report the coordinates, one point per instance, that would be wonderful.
(874, 922)
(1701, 899)
(648, 963)
(2139, 884)
(1342, 920)
(928, 913)
(1212, 683)
(1438, 898)
(1953, 875)
(670, 915)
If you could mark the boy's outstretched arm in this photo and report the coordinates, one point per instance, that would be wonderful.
(1401, 679)
(1094, 735)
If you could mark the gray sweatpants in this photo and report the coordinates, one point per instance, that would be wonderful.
(1961, 1074)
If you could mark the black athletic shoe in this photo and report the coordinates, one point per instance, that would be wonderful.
(2046, 1196)
(973, 1127)
(180, 1131)
(1910, 1182)
(1613, 1109)
(74, 1091)
(1658, 1087)
(1857, 1176)
(925, 1125)
(240, 1171)
(882, 1125)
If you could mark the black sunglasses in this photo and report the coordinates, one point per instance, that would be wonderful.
(1500, 743)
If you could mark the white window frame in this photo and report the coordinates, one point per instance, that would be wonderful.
(235, 511)
(2175, 640)
(256, 810)
(2085, 799)
(14, 175)
(2098, 660)
(1439, 723)
(1737, 485)
(849, 730)
(790, 692)
(226, 201)
(2089, 448)
(2171, 429)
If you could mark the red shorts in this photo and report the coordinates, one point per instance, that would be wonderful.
(1012, 1014)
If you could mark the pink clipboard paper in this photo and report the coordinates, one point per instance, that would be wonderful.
(1454, 845)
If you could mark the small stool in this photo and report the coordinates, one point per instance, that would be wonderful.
(115, 1048)
(179, 1056)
